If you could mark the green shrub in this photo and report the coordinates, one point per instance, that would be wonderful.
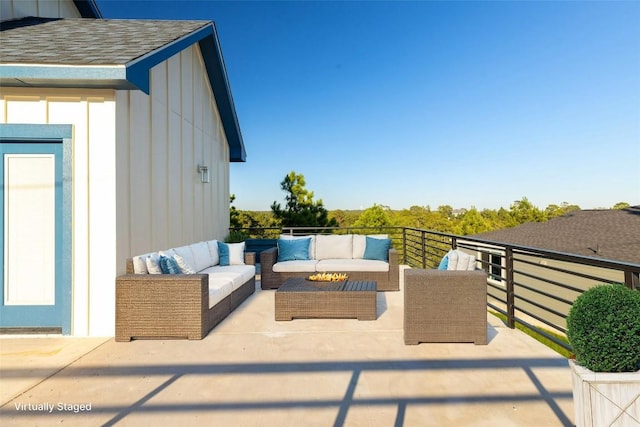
(603, 328)
(236, 236)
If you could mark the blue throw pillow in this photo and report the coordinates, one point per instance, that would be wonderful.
(377, 249)
(223, 251)
(169, 265)
(444, 264)
(293, 249)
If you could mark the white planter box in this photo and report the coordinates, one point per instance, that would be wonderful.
(605, 399)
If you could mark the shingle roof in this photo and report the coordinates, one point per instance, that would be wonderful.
(90, 41)
(98, 53)
(608, 234)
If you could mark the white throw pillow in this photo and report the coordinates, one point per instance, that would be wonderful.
(312, 243)
(213, 252)
(334, 246)
(185, 267)
(139, 264)
(236, 253)
(153, 264)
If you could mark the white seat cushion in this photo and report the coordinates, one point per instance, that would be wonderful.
(236, 274)
(297, 266)
(334, 246)
(335, 265)
(219, 288)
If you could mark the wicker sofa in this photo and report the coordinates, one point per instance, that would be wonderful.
(181, 305)
(445, 306)
(332, 253)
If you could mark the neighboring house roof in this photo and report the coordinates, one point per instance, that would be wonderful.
(609, 234)
(119, 54)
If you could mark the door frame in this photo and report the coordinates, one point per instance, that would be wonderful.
(61, 134)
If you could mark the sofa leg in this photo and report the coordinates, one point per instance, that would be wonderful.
(411, 342)
(123, 339)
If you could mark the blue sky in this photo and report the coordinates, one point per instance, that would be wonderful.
(429, 103)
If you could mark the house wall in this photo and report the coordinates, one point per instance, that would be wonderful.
(162, 138)
(14, 9)
(92, 115)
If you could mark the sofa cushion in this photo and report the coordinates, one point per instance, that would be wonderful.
(293, 249)
(341, 265)
(458, 260)
(153, 264)
(185, 267)
(186, 254)
(201, 256)
(140, 264)
(213, 251)
(360, 243)
(298, 266)
(312, 243)
(219, 289)
(169, 265)
(377, 249)
(236, 274)
(334, 246)
(231, 253)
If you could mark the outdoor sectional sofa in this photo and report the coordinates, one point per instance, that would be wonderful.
(348, 253)
(153, 304)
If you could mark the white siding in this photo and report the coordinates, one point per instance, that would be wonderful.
(92, 114)
(161, 201)
(14, 9)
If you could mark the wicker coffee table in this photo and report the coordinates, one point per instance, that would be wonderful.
(302, 298)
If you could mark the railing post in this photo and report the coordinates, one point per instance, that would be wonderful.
(404, 245)
(632, 280)
(511, 318)
(454, 243)
(424, 249)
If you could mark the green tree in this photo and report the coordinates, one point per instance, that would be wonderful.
(621, 205)
(523, 211)
(300, 210)
(375, 216)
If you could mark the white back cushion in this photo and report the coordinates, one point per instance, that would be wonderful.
(201, 256)
(334, 246)
(213, 251)
(186, 254)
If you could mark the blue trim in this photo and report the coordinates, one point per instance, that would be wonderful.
(214, 63)
(55, 138)
(88, 9)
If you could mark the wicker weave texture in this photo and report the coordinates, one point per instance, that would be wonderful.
(445, 306)
(386, 280)
(300, 298)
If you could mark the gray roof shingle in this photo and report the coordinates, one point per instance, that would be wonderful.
(608, 234)
(90, 41)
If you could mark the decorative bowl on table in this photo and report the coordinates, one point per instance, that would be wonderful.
(328, 277)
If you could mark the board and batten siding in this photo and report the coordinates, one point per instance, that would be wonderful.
(92, 115)
(15, 9)
(162, 138)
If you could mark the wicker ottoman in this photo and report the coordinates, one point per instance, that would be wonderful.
(301, 298)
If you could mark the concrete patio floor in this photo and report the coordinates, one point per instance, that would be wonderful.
(253, 371)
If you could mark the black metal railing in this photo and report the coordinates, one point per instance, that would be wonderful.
(531, 287)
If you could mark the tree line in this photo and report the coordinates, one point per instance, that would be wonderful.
(300, 209)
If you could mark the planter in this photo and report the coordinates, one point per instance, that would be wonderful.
(604, 398)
